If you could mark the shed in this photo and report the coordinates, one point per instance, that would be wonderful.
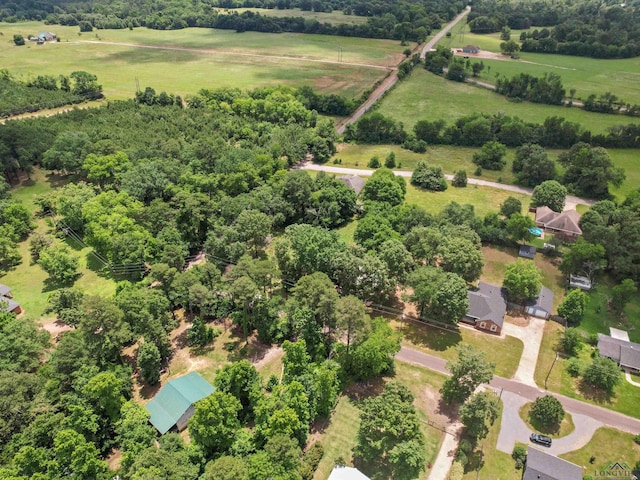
(472, 49)
(527, 251)
(10, 305)
(354, 182)
(340, 472)
(173, 404)
(544, 466)
(577, 281)
(5, 291)
(487, 307)
(542, 306)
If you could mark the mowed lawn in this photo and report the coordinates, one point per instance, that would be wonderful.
(425, 96)
(587, 75)
(608, 445)
(625, 396)
(504, 352)
(184, 61)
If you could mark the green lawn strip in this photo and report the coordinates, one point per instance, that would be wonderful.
(272, 367)
(555, 431)
(118, 66)
(625, 395)
(425, 96)
(493, 464)
(607, 445)
(336, 17)
(628, 160)
(505, 352)
(449, 158)
(346, 232)
(339, 437)
(497, 258)
(484, 199)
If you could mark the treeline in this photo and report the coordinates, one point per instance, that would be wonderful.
(477, 129)
(547, 89)
(45, 91)
(405, 20)
(585, 28)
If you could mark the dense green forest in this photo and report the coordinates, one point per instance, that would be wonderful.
(588, 28)
(405, 20)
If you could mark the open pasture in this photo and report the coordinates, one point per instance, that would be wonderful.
(425, 96)
(184, 61)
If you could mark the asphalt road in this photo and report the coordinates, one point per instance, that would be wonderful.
(602, 415)
(391, 80)
(570, 203)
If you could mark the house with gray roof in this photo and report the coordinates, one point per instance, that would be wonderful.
(543, 466)
(173, 405)
(565, 224)
(542, 306)
(10, 305)
(354, 182)
(487, 307)
(624, 352)
(5, 291)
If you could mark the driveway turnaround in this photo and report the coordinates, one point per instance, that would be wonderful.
(515, 430)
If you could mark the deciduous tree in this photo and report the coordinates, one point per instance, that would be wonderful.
(547, 410)
(522, 280)
(573, 306)
(550, 194)
(215, 422)
(467, 372)
(478, 413)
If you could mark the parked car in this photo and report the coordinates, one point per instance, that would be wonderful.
(540, 439)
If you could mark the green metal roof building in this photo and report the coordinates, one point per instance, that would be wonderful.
(173, 404)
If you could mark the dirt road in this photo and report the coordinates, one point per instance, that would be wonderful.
(391, 80)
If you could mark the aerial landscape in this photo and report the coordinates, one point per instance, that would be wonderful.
(319, 239)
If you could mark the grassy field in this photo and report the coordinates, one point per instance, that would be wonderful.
(555, 431)
(625, 396)
(504, 352)
(497, 258)
(608, 445)
(425, 96)
(488, 463)
(587, 75)
(29, 282)
(336, 17)
(598, 318)
(339, 438)
(202, 58)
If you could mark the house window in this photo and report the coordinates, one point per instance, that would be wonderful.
(493, 328)
(483, 325)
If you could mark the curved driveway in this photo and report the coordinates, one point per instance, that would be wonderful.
(570, 204)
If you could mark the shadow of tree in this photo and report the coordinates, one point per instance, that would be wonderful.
(595, 394)
(434, 338)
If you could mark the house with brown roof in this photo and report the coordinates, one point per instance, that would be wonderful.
(566, 224)
(487, 307)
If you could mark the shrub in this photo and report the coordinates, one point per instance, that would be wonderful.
(462, 458)
(466, 446)
(374, 162)
(457, 471)
(272, 382)
(637, 439)
(429, 178)
(575, 367)
(460, 179)
(520, 456)
(390, 161)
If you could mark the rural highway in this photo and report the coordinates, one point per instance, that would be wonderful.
(570, 203)
(603, 415)
(391, 80)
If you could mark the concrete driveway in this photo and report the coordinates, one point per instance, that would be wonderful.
(515, 430)
(531, 337)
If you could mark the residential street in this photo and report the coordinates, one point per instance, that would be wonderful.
(602, 415)
(570, 204)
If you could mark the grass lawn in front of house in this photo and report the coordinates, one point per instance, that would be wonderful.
(504, 352)
(607, 445)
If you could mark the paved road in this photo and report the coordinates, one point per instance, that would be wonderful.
(570, 203)
(602, 415)
(391, 80)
